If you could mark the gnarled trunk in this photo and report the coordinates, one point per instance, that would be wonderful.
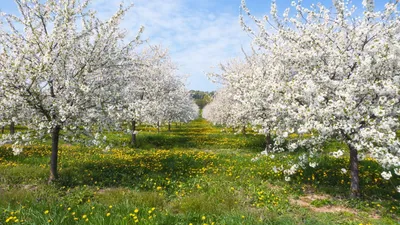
(133, 138)
(55, 136)
(354, 173)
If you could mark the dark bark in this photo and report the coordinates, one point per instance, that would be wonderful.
(158, 127)
(354, 173)
(233, 129)
(268, 142)
(133, 138)
(55, 136)
(244, 130)
(2, 130)
(169, 126)
(12, 128)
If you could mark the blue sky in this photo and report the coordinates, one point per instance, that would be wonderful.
(199, 34)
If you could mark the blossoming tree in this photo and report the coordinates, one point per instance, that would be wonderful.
(63, 65)
(153, 92)
(337, 76)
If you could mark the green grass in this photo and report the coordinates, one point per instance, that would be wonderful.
(193, 174)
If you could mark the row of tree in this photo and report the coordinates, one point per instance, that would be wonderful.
(320, 74)
(64, 71)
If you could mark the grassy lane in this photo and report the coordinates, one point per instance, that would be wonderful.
(196, 174)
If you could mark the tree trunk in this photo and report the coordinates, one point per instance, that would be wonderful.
(176, 125)
(2, 130)
(244, 130)
(133, 139)
(169, 126)
(12, 128)
(269, 142)
(158, 127)
(54, 153)
(233, 129)
(354, 173)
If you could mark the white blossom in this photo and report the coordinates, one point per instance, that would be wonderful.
(386, 175)
(397, 171)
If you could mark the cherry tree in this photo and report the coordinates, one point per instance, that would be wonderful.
(336, 74)
(139, 82)
(168, 101)
(249, 102)
(219, 110)
(63, 65)
(179, 105)
(153, 93)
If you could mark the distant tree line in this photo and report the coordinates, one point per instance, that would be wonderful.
(202, 98)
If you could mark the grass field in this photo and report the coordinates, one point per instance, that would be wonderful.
(195, 174)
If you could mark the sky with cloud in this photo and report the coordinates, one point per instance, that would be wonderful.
(199, 34)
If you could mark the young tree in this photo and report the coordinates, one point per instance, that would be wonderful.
(336, 75)
(64, 65)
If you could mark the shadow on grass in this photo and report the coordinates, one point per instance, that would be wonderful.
(329, 178)
(198, 134)
(254, 143)
(143, 172)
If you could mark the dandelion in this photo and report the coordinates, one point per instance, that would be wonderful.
(108, 214)
(203, 218)
(46, 212)
(136, 210)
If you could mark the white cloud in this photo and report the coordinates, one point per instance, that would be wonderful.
(197, 37)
